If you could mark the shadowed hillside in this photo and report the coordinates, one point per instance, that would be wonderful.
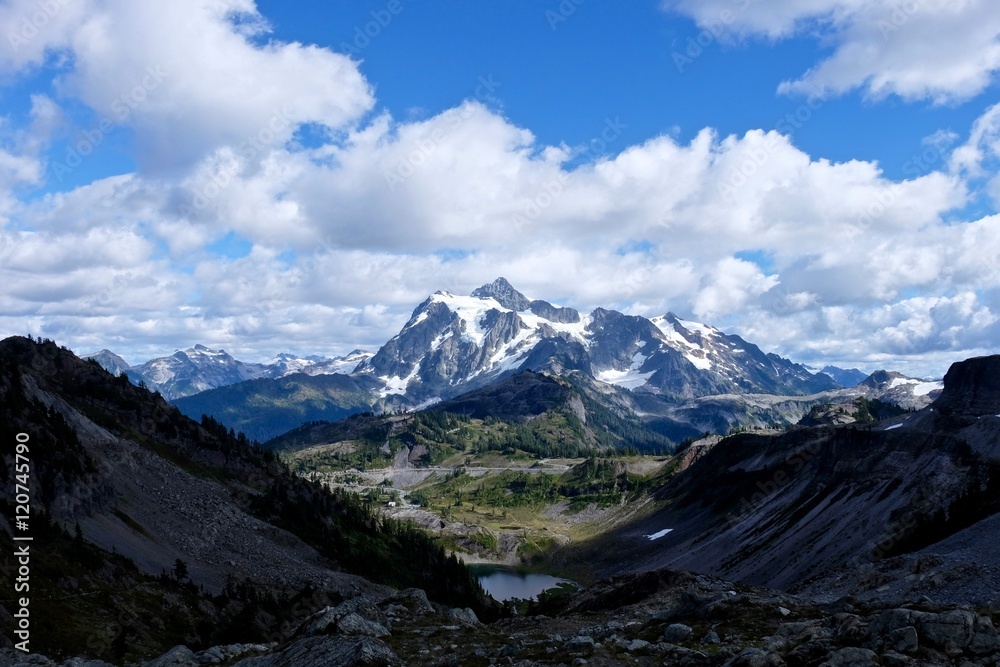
(139, 510)
(783, 510)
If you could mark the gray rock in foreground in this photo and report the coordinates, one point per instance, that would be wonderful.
(327, 652)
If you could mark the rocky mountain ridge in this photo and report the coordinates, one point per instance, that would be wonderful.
(897, 388)
(847, 377)
(265, 408)
(199, 368)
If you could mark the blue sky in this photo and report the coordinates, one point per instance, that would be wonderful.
(819, 177)
(561, 78)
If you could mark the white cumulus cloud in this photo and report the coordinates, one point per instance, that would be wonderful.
(939, 50)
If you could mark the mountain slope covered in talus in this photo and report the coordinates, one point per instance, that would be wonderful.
(902, 508)
(184, 533)
(454, 343)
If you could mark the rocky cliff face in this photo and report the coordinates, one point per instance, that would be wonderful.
(972, 388)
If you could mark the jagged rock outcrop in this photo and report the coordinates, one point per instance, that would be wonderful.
(504, 294)
(547, 311)
(826, 414)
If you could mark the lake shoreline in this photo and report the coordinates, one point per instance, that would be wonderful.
(504, 582)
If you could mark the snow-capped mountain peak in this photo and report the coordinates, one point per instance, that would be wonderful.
(454, 342)
(193, 370)
(503, 293)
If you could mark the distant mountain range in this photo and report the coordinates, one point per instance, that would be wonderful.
(847, 377)
(684, 377)
(199, 368)
(531, 413)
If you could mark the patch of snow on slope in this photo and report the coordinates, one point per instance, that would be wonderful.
(920, 388)
(697, 327)
(626, 379)
(505, 358)
(699, 362)
(672, 334)
(924, 388)
(631, 378)
(420, 318)
(576, 330)
(396, 385)
(659, 534)
(894, 426)
(344, 366)
(471, 310)
(638, 359)
(436, 343)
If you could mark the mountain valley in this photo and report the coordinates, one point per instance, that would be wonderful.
(891, 508)
(500, 430)
(876, 568)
